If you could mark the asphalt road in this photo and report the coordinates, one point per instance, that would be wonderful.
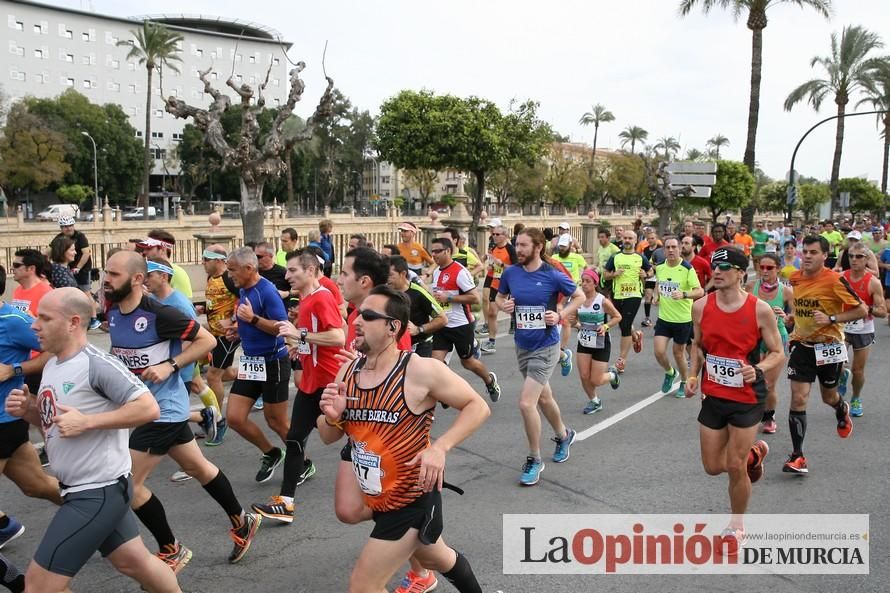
(647, 462)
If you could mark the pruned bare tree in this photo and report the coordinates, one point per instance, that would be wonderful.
(255, 162)
(658, 180)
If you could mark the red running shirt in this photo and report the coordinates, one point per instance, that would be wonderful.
(318, 312)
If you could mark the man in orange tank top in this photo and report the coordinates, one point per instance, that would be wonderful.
(385, 403)
(732, 386)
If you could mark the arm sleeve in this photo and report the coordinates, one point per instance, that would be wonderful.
(328, 314)
(171, 323)
(272, 305)
(647, 265)
(465, 281)
(81, 242)
(566, 285)
(112, 380)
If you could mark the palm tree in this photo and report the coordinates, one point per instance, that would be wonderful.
(849, 69)
(632, 134)
(669, 145)
(599, 115)
(694, 154)
(878, 98)
(155, 46)
(757, 23)
(716, 143)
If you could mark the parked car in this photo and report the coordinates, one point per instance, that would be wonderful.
(54, 211)
(138, 212)
(88, 216)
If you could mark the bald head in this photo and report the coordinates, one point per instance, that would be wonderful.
(217, 248)
(127, 261)
(69, 302)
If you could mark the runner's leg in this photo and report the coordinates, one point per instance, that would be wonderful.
(135, 561)
(238, 418)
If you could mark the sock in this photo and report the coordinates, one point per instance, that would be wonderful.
(221, 491)
(294, 465)
(273, 452)
(839, 411)
(797, 423)
(768, 415)
(647, 308)
(154, 518)
(4, 521)
(461, 576)
(10, 576)
(208, 398)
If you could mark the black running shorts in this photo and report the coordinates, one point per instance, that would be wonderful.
(628, 309)
(223, 354)
(12, 436)
(423, 514)
(598, 354)
(680, 333)
(157, 438)
(802, 367)
(273, 390)
(462, 338)
(860, 341)
(717, 412)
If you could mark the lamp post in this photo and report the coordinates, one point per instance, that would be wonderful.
(95, 166)
(164, 185)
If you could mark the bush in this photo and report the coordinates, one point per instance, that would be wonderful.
(74, 194)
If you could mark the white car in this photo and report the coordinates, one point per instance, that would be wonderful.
(138, 213)
(54, 211)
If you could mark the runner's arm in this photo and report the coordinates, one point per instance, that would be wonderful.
(612, 312)
(697, 355)
(328, 430)
(445, 386)
(22, 404)
(141, 410)
(572, 303)
(871, 262)
(434, 324)
(334, 336)
(29, 367)
(879, 308)
(769, 333)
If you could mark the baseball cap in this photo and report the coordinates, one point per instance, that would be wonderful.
(407, 226)
(149, 243)
(494, 222)
(855, 235)
(730, 256)
(564, 241)
(564, 225)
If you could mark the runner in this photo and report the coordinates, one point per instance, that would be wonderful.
(160, 243)
(742, 240)
(427, 315)
(86, 402)
(400, 470)
(455, 290)
(760, 237)
(263, 369)
(648, 248)
(843, 261)
(816, 345)
(463, 255)
(501, 256)
(316, 339)
(835, 238)
(530, 290)
(860, 334)
(594, 345)
(31, 270)
(733, 386)
(714, 241)
(288, 242)
(627, 270)
(780, 298)
(604, 252)
(413, 252)
(678, 286)
(790, 261)
(573, 263)
(701, 266)
(147, 336)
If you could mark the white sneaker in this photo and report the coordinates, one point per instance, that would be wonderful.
(180, 476)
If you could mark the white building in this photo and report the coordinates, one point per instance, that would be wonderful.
(51, 49)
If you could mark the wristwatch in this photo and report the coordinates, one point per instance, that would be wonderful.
(832, 318)
(254, 320)
(17, 370)
(173, 364)
(303, 333)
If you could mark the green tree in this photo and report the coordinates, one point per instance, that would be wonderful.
(74, 194)
(32, 156)
(849, 69)
(598, 115)
(424, 181)
(632, 135)
(716, 143)
(566, 179)
(756, 21)
(669, 145)
(878, 98)
(733, 189)
(694, 154)
(154, 46)
(864, 197)
(810, 197)
(624, 180)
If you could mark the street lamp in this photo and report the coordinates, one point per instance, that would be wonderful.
(95, 166)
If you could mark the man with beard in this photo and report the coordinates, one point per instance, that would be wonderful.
(628, 270)
(714, 241)
(147, 336)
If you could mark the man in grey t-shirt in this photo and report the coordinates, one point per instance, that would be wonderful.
(86, 402)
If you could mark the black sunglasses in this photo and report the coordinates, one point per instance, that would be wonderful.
(724, 267)
(371, 315)
(436, 251)
(17, 264)
(852, 256)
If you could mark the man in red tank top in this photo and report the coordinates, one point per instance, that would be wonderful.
(385, 402)
(732, 385)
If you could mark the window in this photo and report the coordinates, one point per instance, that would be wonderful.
(384, 179)
(159, 112)
(132, 88)
(177, 137)
(87, 83)
(275, 82)
(69, 82)
(114, 86)
(139, 133)
(275, 61)
(69, 58)
(69, 34)
(42, 78)
(84, 36)
(85, 60)
(239, 78)
(214, 75)
(38, 29)
(19, 26)
(251, 79)
(16, 75)
(277, 102)
(252, 59)
(238, 58)
(116, 64)
(157, 134)
(38, 53)
(159, 153)
(16, 50)
(199, 52)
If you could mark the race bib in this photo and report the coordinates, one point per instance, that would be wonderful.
(251, 368)
(303, 348)
(498, 269)
(589, 337)
(724, 371)
(628, 289)
(366, 466)
(530, 318)
(830, 353)
(855, 327)
(666, 288)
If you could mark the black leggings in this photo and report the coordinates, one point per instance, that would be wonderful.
(628, 309)
(304, 414)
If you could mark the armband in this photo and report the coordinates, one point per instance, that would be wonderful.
(337, 424)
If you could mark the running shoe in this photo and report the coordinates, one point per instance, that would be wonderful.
(731, 540)
(755, 467)
(180, 476)
(221, 428)
(566, 362)
(243, 536)
(308, 472)
(668, 381)
(11, 531)
(176, 556)
(638, 341)
(619, 365)
(277, 508)
(769, 427)
(494, 388)
(413, 583)
(482, 330)
(258, 404)
(681, 392)
(593, 406)
(856, 407)
(616, 377)
(647, 322)
(488, 348)
(846, 375)
(208, 422)
(268, 465)
(844, 422)
(477, 353)
(796, 465)
(531, 471)
(95, 323)
(563, 446)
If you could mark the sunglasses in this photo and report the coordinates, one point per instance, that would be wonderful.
(724, 267)
(852, 256)
(371, 315)
(436, 251)
(17, 264)
(767, 267)
(496, 234)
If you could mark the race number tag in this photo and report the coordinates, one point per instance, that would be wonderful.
(628, 289)
(498, 269)
(666, 288)
(251, 368)
(589, 336)
(855, 327)
(830, 353)
(724, 371)
(530, 317)
(303, 348)
(367, 469)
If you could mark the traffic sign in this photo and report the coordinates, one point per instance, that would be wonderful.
(692, 167)
(692, 178)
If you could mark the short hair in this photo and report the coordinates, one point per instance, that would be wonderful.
(393, 248)
(822, 241)
(604, 231)
(317, 252)
(362, 240)
(548, 233)
(517, 228)
(367, 262)
(325, 225)
(58, 247)
(162, 235)
(33, 257)
(670, 238)
(314, 235)
(446, 243)
(265, 245)
(451, 232)
(789, 242)
(306, 259)
(857, 246)
(397, 306)
(399, 264)
(243, 256)
(2, 279)
(290, 232)
(719, 225)
(698, 241)
(773, 256)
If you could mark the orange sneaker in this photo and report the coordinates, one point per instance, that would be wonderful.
(796, 465)
(413, 583)
(845, 423)
(619, 365)
(175, 556)
(638, 341)
(755, 467)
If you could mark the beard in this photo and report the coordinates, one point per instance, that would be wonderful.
(119, 294)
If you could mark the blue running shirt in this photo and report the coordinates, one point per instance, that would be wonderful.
(17, 340)
(536, 290)
(266, 303)
(179, 301)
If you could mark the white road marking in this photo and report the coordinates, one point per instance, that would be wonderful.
(586, 434)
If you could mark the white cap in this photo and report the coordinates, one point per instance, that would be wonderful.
(494, 222)
(564, 225)
(854, 235)
(564, 241)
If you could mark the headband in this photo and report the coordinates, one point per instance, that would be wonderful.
(152, 266)
(591, 273)
(213, 255)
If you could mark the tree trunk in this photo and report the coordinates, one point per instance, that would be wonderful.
(146, 165)
(838, 148)
(288, 160)
(664, 220)
(477, 201)
(753, 114)
(886, 156)
(252, 211)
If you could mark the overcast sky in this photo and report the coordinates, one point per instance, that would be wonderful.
(682, 77)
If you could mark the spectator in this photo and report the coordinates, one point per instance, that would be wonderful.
(288, 244)
(61, 253)
(82, 264)
(326, 227)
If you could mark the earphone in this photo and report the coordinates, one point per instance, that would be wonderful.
(392, 326)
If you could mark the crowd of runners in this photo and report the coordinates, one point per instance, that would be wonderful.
(364, 349)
